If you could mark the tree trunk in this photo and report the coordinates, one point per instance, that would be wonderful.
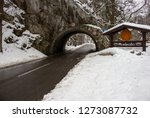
(1, 17)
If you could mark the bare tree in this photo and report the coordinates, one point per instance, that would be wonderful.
(137, 10)
(1, 17)
(111, 12)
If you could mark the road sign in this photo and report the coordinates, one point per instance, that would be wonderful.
(126, 35)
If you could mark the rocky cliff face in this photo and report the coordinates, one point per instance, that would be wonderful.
(50, 17)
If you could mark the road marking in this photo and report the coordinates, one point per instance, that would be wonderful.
(28, 72)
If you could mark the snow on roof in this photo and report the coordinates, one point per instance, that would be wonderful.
(129, 25)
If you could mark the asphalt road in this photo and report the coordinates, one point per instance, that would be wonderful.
(31, 81)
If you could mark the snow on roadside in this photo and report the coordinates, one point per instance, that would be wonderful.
(17, 49)
(72, 47)
(111, 74)
(12, 55)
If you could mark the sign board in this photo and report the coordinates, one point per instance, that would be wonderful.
(128, 43)
(126, 35)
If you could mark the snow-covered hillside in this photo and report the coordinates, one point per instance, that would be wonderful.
(16, 48)
(111, 74)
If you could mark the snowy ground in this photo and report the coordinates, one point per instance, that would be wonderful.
(112, 74)
(72, 48)
(12, 55)
(16, 49)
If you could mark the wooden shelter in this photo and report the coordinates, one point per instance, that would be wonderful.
(144, 29)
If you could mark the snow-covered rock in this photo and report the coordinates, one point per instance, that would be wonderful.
(17, 49)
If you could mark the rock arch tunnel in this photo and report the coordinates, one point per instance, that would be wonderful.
(100, 41)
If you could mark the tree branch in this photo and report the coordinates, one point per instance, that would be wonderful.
(145, 2)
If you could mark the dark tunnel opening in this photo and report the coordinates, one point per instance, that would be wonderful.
(60, 42)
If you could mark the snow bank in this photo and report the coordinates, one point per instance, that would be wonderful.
(17, 49)
(12, 55)
(13, 51)
(72, 47)
(112, 74)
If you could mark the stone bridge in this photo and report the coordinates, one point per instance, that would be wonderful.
(56, 21)
(95, 32)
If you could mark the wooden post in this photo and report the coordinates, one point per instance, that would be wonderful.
(1, 17)
(111, 40)
(144, 41)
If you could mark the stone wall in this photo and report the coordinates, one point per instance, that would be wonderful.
(51, 17)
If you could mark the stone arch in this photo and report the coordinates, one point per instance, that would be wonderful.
(60, 42)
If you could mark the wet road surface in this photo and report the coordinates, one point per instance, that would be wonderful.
(31, 81)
